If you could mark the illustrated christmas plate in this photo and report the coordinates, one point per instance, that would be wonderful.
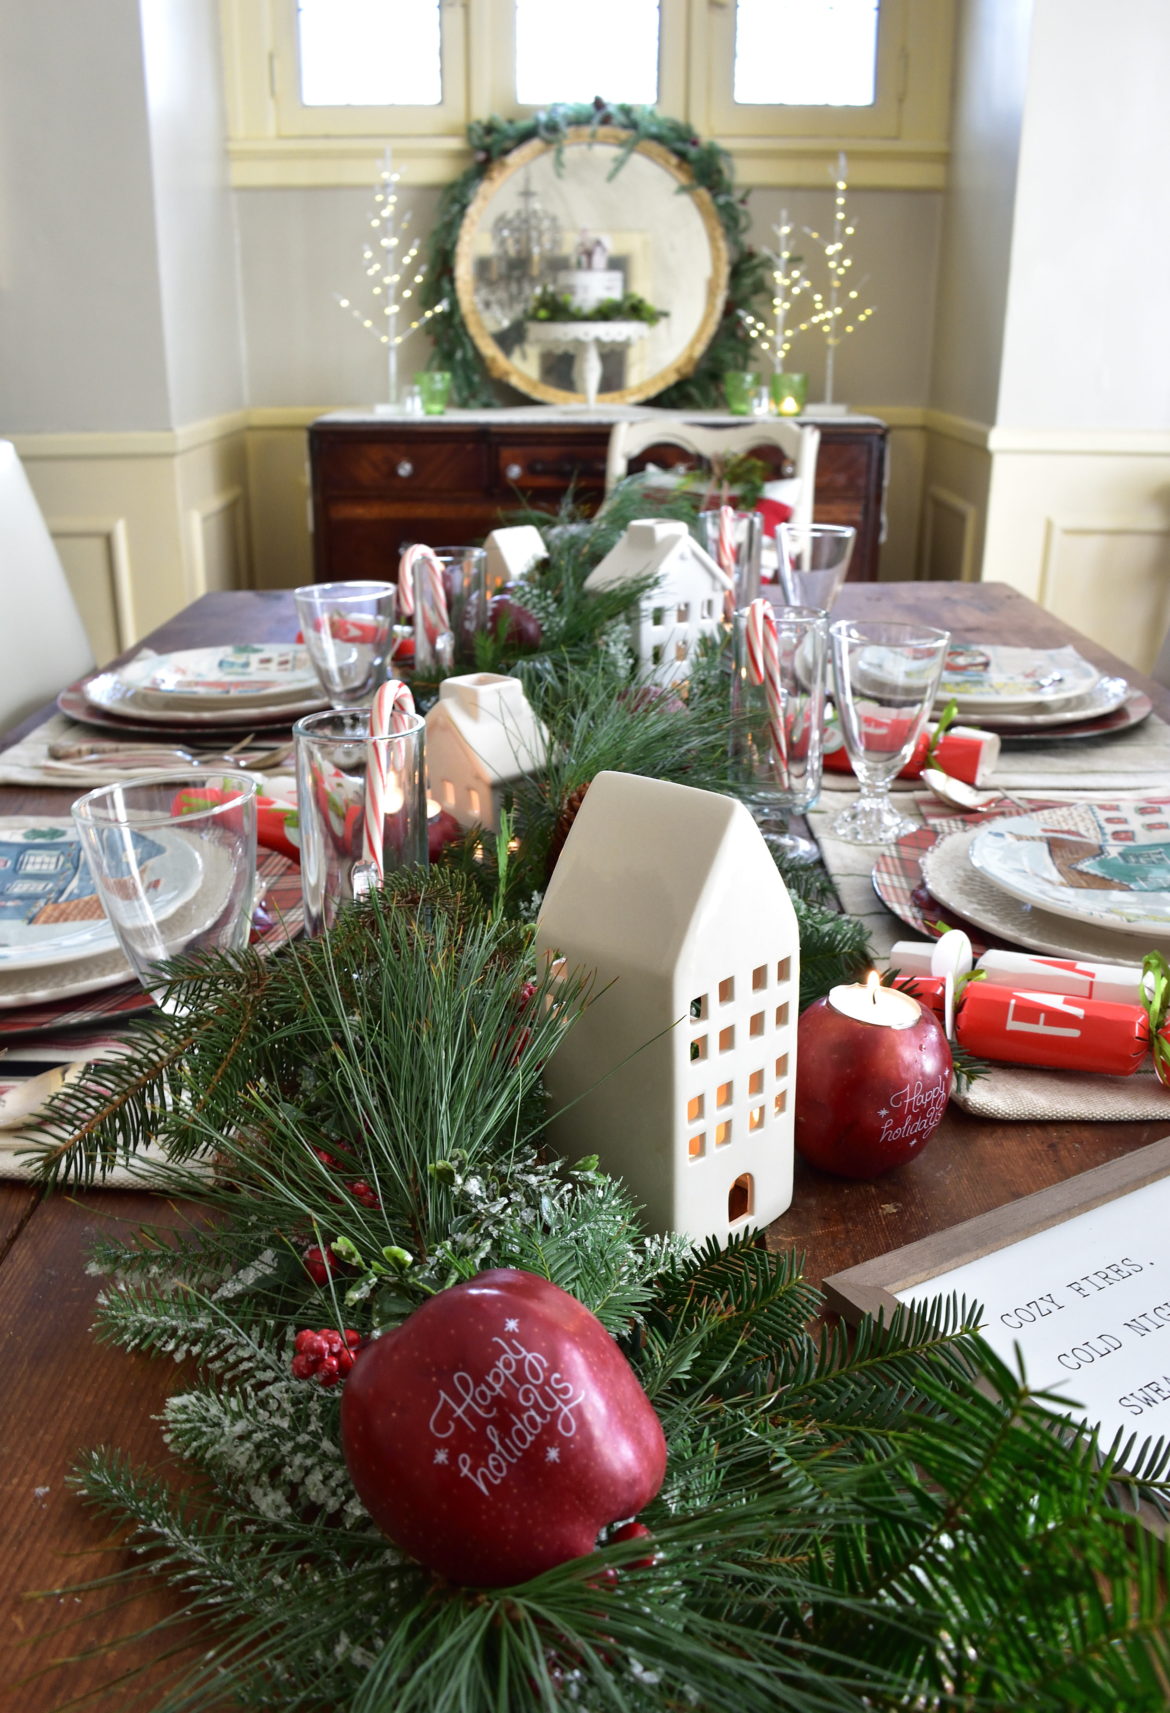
(968, 897)
(235, 673)
(1104, 863)
(49, 910)
(109, 694)
(998, 676)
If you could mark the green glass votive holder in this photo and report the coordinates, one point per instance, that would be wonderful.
(433, 387)
(739, 389)
(789, 394)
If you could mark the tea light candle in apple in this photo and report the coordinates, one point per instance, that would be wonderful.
(873, 1077)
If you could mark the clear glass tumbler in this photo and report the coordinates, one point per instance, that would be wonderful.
(777, 734)
(733, 540)
(349, 631)
(886, 680)
(813, 561)
(173, 858)
(439, 645)
(334, 757)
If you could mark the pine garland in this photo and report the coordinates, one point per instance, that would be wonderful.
(492, 139)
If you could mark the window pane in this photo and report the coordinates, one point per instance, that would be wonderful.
(572, 53)
(805, 53)
(370, 53)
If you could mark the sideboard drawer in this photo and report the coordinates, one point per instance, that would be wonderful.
(537, 465)
(410, 464)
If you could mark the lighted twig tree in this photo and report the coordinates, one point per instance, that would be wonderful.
(387, 260)
(789, 282)
(835, 311)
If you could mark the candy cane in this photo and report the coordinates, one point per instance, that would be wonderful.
(431, 599)
(763, 653)
(725, 541)
(390, 712)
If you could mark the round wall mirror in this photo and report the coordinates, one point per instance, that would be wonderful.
(591, 218)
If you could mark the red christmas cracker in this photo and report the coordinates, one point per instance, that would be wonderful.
(929, 990)
(1053, 1031)
(963, 751)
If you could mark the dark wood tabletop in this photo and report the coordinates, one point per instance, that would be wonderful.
(63, 1392)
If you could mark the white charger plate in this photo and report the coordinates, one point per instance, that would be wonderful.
(998, 676)
(952, 879)
(1103, 863)
(110, 695)
(50, 912)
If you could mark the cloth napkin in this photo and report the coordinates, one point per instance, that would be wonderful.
(1007, 1091)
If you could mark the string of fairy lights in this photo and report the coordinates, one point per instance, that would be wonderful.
(387, 261)
(833, 312)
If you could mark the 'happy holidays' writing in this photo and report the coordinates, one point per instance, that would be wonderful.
(508, 1408)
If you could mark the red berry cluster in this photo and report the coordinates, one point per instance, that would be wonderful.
(324, 1356)
(360, 1190)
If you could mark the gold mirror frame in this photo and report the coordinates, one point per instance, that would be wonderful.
(500, 366)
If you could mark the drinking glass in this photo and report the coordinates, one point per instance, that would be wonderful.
(780, 765)
(173, 859)
(334, 752)
(886, 680)
(434, 386)
(348, 631)
(741, 549)
(739, 389)
(464, 577)
(813, 559)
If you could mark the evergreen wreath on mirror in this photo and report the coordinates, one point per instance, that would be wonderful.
(492, 139)
(846, 1523)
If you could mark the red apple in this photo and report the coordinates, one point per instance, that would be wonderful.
(868, 1097)
(498, 1430)
(510, 622)
(442, 830)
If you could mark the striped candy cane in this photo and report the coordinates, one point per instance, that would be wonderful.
(391, 710)
(725, 555)
(429, 597)
(763, 652)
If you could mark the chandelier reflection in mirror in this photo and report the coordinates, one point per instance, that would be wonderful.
(524, 239)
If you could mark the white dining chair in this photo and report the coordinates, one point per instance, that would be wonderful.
(43, 645)
(799, 443)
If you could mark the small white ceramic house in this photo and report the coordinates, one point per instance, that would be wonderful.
(685, 604)
(681, 1070)
(512, 552)
(481, 737)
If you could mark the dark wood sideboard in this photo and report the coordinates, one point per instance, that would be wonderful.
(380, 483)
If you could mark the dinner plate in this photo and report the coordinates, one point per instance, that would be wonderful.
(1136, 707)
(1104, 863)
(952, 878)
(998, 676)
(102, 989)
(50, 912)
(239, 675)
(98, 701)
(1106, 695)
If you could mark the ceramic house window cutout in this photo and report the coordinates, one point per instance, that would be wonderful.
(482, 736)
(685, 603)
(679, 1073)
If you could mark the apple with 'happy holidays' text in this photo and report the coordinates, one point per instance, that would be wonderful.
(498, 1430)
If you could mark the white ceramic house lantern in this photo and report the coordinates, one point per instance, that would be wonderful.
(680, 1072)
(481, 737)
(685, 604)
(512, 552)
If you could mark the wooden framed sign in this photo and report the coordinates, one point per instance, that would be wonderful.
(1076, 1277)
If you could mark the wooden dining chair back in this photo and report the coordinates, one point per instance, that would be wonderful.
(43, 645)
(788, 449)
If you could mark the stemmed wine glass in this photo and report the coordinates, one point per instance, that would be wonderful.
(813, 559)
(887, 678)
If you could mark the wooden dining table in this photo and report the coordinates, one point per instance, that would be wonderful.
(64, 1392)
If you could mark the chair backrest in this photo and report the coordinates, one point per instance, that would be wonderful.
(43, 645)
(799, 443)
